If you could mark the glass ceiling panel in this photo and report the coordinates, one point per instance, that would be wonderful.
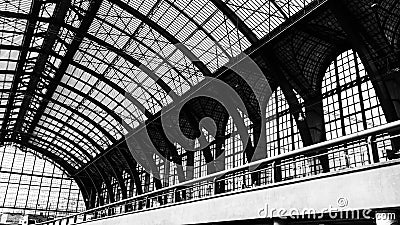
(55, 137)
(264, 16)
(107, 96)
(70, 134)
(188, 33)
(52, 149)
(290, 7)
(64, 137)
(16, 6)
(89, 109)
(79, 123)
(215, 22)
(144, 39)
(129, 75)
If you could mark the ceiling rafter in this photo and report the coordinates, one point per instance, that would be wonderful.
(60, 11)
(200, 27)
(119, 89)
(30, 29)
(236, 21)
(76, 145)
(189, 54)
(83, 116)
(73, 48)
(91, 141)
(148, 47)
(38, 138)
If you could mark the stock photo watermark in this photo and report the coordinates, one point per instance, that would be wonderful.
(341, 211)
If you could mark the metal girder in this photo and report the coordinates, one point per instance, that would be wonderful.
(31, 17)
(136, 63)
(200, 65)
(92, 199)
(119, 89)
(61, 10)
(113, 114)
(85, 193)
(236, 21)
(73, 48)
(199, 27)
(147, 47)
(91, 141)
(83, 116)
(30, 29)
(68, 140)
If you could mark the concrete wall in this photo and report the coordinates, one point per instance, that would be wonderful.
(370, 187)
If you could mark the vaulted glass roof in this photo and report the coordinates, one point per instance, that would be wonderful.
(78, 75)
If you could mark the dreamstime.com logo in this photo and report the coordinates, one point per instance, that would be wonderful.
(330, 212)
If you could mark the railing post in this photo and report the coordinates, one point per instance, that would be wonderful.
(273, 171)
(372, 150)
(174, 195)
(214, 191)
(276, 172)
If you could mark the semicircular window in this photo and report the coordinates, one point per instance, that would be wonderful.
(32, 184)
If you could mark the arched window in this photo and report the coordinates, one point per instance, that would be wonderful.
(234, 149)
(32, 182)
(104, 197)
(350, 105)
(282, 134)
(129, 184)
(234, 154)
(116, 189)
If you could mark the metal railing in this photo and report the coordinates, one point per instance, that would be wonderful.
(351, 151)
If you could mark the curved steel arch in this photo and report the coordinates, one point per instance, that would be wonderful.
(236, 21)
(127, 94)
(73, 47)
(119, 89)
(59, 147)
(148, 47)
(71, 156)
(61, 10)
(68, 140)
(30, 29)
(103, 107)
(91, 141)
(200, 27)
(83, 116)
(193, 58)
(95, 74)
(136, 63)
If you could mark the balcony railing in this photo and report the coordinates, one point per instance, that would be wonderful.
(351, 151)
